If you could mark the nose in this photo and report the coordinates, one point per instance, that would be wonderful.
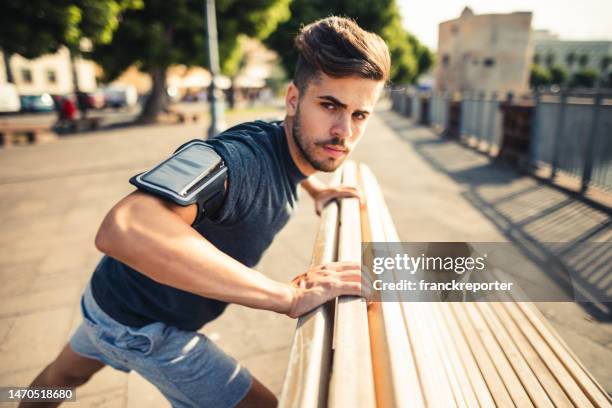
(342, 127)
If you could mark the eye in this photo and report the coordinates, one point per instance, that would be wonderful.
(328, 106)
(359, 116)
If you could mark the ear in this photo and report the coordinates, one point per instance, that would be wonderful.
(291, 99)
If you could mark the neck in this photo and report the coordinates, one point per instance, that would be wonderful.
(295, 152)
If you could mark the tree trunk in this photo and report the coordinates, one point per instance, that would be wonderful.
(75, 75)
(75, 86)
(231, 95)
(157, 99)
(7, 67)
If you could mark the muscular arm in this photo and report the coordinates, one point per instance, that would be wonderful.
(155, 238)
(313, 185)
(323, 193)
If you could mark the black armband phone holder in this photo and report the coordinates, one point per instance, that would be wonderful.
(195, 173)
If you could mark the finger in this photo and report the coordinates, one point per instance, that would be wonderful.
(343, 265)
(321, 203)
(353, 275)
(346, 194)
(349, 289)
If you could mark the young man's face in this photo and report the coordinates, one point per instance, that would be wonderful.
(330, 117)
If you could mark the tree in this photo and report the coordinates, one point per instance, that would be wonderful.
(537, 59)
(36, 27)
(425, 58)
(608, 78)
(585, 78)
(164, 33)
(583, 60)
(570, 58)
(558, 75)
(409, 58)
(605, 63)
(539, 76)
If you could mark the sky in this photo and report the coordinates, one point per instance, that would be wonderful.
(572, 20)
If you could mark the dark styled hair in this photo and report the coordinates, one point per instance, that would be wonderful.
(339, 48)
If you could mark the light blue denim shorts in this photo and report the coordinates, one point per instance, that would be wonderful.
(187, 367)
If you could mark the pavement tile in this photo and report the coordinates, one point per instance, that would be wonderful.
(34, 339)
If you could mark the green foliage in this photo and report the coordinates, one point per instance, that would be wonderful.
(583, 60)
(425, 58)
(408, 57)
(605, 62)
(558, 75)
(36, 27)
(550, 60)
(608, 81)
(163, 33)
(539, 76)
(585, 78)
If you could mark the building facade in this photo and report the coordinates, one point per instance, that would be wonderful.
(574, 56)
(488, 52)
(50, 73)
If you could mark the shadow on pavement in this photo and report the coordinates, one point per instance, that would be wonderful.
(553, 229)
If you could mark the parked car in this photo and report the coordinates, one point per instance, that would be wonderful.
(120, 96)
(91, 100)
(37, 103)
(9, 99)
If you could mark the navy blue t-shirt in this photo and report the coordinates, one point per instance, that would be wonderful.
(262, 192)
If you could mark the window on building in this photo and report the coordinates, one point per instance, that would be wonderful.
(488, 62)
(583, 60)
(455, 30)
(445, 60)
(51, 76)
(537, 59)
(26, 75)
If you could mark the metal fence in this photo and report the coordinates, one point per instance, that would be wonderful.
(571, 134)
(574, 135)
(481, 120)
(439, 109)
(401, 101)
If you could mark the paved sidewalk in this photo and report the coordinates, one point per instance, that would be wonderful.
(53, 197)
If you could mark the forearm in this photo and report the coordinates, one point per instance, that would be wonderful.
(158, 243)
(313, 185)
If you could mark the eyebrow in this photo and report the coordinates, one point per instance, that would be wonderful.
(336, 102)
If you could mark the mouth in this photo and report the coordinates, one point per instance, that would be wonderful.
(335, 151)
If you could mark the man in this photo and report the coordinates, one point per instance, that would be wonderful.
(169, 268)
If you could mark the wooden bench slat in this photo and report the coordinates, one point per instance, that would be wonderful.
(396, 379)
(352, 381)
(494, 382)
(527, 378)
(467, 366)
(307, 379)
(585, 381)
(565, 379)
(544, 375)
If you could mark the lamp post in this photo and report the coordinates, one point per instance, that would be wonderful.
(217, 123)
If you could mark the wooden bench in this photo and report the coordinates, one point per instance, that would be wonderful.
(418, 354)
(10, 133)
